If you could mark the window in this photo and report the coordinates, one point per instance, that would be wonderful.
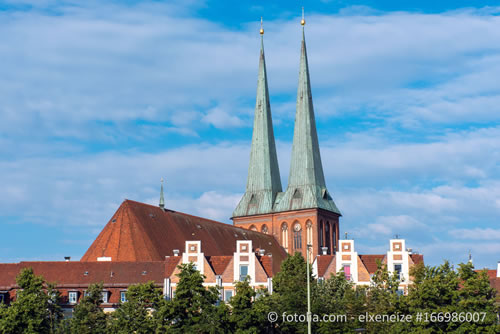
(320, 234)
(400, 292)
(334, 239)
(297, 236)
(327, 237)
(347, 271)
(264, 229)
(284, 235)
(72, 297)
(2, 298)
(253, 228)
(123, 296)
(398, 268)
(105, 297)
(195, 266)
(228, 294)
(243, 271)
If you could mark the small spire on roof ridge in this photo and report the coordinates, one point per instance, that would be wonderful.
(162, 199)
(303, 21)
(261, 26)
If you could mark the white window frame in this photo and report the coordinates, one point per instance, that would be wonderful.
(105, 297)
(248, 268)
(72, 297)
(123, 296)
(226, 293)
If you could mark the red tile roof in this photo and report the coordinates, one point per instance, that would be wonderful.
(142, 232)
(219, 263)
(370, 261)
(73, 273)
(267, 264)
(171, 263)
(417, 258)
(323, 263)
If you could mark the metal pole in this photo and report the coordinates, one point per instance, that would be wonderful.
(308, 294)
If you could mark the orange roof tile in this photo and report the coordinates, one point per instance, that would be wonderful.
(142, 232)
(75, 273)
(219, 263)
(323, 263)
(370, 261)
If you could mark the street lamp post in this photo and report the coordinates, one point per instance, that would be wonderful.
(308, 293)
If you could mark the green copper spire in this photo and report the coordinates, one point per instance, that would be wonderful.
(162, 200)
(264, 181)
(306, 183)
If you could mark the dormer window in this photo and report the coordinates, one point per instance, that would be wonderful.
(105, 296)
(73, 297)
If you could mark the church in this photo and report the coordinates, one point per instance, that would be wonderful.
(142, 242)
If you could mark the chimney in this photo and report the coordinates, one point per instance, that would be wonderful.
(176, 252)
(262, 252)
(498, 269)
(67, 258)
(324, 250)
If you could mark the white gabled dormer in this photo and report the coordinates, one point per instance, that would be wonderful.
(397, 259)
(244, 261)
(193, 254)
(347, 259)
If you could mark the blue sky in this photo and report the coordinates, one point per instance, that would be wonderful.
(103, 98)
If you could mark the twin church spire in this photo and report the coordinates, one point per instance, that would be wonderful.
(306, 183)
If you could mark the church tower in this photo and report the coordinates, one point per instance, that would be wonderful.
(305, 212)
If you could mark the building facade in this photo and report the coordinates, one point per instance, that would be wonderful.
(142, 243)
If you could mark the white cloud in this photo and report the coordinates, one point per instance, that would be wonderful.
(476, 234)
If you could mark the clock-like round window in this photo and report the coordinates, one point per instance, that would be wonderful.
(297, 227)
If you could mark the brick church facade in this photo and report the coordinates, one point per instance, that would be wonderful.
(143, 243)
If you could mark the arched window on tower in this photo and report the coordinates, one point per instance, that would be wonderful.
(284, 235)
(320, 234)
(297, 236)
(253, 228)
(264, 229)
(309, 238)
(334, 239)
(327, 234)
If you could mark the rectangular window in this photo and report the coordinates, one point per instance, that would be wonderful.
(72, 297)
(401, 292)
(123, 296)
(228, 294)
(347, 271)
(2, 298)
(397, 269)
(243, 272)
(105, 297)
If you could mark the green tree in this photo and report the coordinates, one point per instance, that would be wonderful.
(383, 299)
(476, 295)
(135, 315)
(290, 293)
(29, 313)
(88, 316)
(243, 317)
(337, 296)
(194, 308)
(54, 308)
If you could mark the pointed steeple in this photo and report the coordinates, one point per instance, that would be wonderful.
(162, 200)
(306, 183)
(264, 181)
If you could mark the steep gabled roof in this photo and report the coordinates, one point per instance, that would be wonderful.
(370, 261)
(142, 232)
(264, 181)
(323, 263)
(306, 183)
(219, 263)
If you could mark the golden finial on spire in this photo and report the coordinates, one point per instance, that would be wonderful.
(261, 26)
(303, 21)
